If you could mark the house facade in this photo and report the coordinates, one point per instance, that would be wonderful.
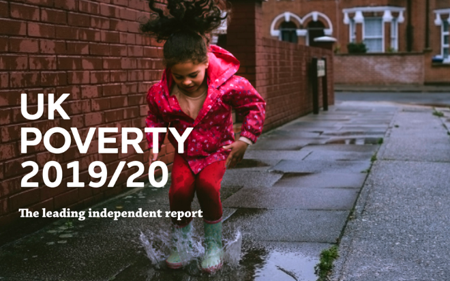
(405, 41)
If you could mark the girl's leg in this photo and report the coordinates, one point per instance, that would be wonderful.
(182, 189)
(207, 186)
(208, 194)
(181, 193)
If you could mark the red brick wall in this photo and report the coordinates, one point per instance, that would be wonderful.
(379, 69)
(90, 49)
(283, 79)
(333, 10)
(278, 70)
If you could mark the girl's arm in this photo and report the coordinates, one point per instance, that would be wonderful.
(248, 103)
(153, 120)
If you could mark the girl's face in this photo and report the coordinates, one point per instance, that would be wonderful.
(189, 76)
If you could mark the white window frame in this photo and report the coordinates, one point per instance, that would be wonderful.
(374, 37)
(445, 33)
(352, 31)
(394, 34)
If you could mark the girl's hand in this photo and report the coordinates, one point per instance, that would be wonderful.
(152, 157)
(238, 149)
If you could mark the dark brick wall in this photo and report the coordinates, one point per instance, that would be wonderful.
(92, 50)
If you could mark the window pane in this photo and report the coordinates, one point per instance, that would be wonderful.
(445, 22)
(374, 45)
(373, 27)
(445, 39)
(445, 52)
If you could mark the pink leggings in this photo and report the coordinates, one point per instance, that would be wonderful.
(206, 184)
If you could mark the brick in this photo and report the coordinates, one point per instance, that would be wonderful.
(4, 206)
(66, 32)
(109, 10)
(127, 38)
(92, 63)
(127, 14)
(135, 51)
(8, 151)
(88, 7)
(89, 35)
(47, 204)
(100, 104)
(109, 37)
(53, 16)
(42, 62)
(89, 92)
(98, 22)
(118, 50)
(113, 115)
(24, 199)
(78, 77)
(41, 30)
(129, 63)
(69, 62)
(53, 78)
(112, 63)
(23, 45)
(66, 199)
(99, 77)
(119, 101)
(4, 9)
(77, 48)
(24, 12)
(13, 62)
(99, 49)
(111, 90)
(118, 76)
(52, 46)
(117, 25)
(24, 79)
(76, 19)
(67, 4)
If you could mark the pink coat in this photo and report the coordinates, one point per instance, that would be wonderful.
(213, 127)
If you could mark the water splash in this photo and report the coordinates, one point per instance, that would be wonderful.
(158, 245)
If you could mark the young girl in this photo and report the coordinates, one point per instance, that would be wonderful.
(198, 89)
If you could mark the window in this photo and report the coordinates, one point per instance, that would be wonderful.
(288, 32)
(373, 35)
(394, 34)
(445, 41)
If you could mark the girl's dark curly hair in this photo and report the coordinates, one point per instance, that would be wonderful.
(185, 28)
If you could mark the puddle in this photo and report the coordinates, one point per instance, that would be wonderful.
(157, 247)
(286, 266)
(357, 141)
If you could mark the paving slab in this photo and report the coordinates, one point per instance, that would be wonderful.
(263, 155)
(331, 155)
(282, 144)
(291, 134)
(322, 180)
(402, 233)
(237, 177)
(418, 149)
(293, 198)
(342, 148)
(290, 225)
(317, 166)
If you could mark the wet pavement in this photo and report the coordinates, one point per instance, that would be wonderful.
(290, 199)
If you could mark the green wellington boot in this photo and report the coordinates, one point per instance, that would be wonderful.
(181, 241)
(213, 259)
